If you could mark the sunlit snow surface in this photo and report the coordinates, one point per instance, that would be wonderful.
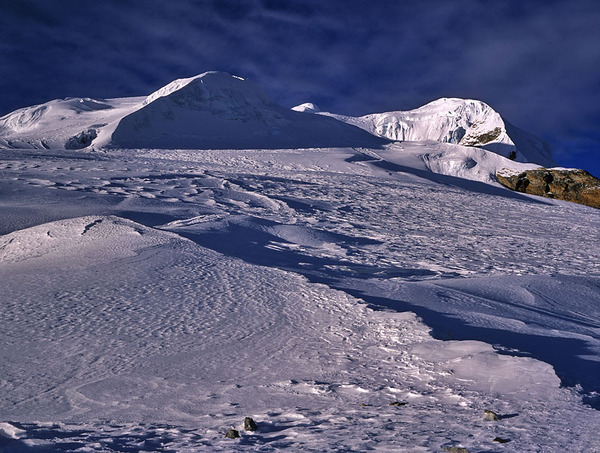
(151, 299)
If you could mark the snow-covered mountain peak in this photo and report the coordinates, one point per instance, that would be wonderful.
(210, 89)
(467, 122)
(219, 110)
(465, 111)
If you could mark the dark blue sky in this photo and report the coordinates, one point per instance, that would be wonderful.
(536, 62)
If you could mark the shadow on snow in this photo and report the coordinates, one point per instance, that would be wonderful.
(252, 245)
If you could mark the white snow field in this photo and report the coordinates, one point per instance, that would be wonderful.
(376, 297)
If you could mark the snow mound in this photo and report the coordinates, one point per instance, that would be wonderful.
(73, 239)
(465, 122)
(469, 162)
(480, 367)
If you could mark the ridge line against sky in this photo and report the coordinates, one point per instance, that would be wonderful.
(537, 63)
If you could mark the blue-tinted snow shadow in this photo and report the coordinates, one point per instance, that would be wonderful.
(54, 438)
(250, 242)
(256, 247)
(566, 355)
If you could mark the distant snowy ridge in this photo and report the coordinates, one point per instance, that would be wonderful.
(211, 110)
(216, 110)
(63, 123)
(460, 121)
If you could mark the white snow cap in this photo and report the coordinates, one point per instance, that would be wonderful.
(201, 87)
(307, 107)
(216, 110)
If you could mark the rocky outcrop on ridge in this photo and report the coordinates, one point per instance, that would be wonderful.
(563, 184)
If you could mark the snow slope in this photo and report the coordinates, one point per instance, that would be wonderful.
(283, 285)
(360, 296)
(194, 338)
(460, 121)
(218, 110)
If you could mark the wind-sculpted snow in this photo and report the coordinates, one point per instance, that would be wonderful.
(174, 332)
(151, 299)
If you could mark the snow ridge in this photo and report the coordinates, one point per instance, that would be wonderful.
(220, 111)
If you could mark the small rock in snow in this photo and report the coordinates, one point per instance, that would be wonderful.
(455, 449)
(491, 416)
(250, 424)
(232, 434)
(397, 403)
(500, 440)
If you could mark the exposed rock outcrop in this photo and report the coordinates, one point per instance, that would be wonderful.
(491, 416)
(232, 434)
(250, 424)
(563, 184)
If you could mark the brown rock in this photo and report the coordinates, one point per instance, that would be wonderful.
(232, 434)
(577, 186)
(250, 424)
(491, 416)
